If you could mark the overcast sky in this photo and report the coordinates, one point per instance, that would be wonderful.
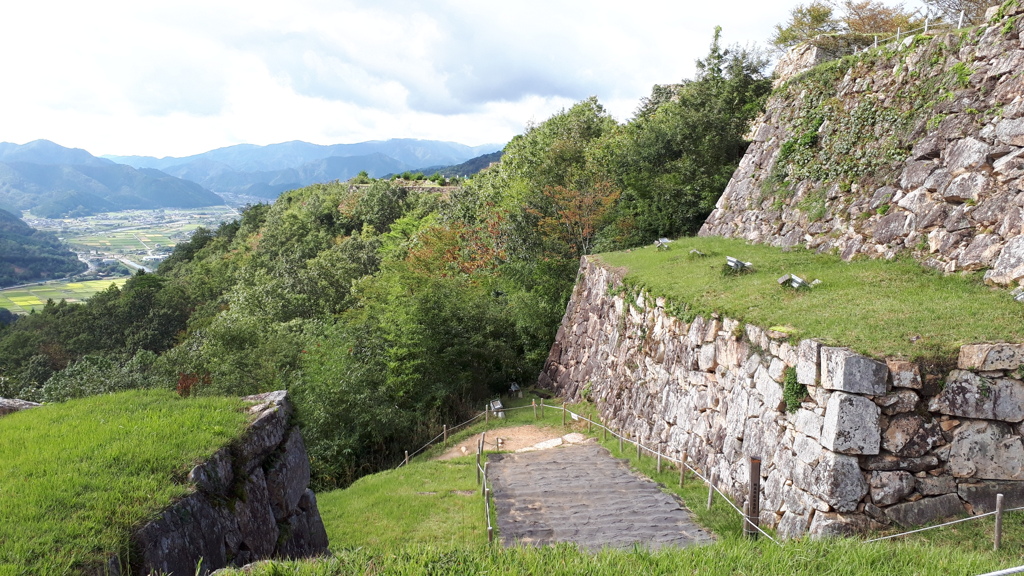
(175, 78)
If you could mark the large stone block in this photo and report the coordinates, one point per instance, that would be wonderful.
(986, 450)
(889, 462)
(965, 154)
(904, 374)
(1011, 131)
(842, 369)
(911, 436)
(1009, 266)
(832, 525)
(968, 395)
(305, 533)
(838, 481)
(793, 525)
(807, 362)
(10, 405)
(925, 510)
(288, 475)
(214, 476)
(991, 357)
(851, 425)
(982, 495)
(770, 390)
(890, 487)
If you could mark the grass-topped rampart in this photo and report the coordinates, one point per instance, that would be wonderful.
(76, 478)
(877, 307)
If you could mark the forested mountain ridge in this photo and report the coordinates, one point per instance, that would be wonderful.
(29, 255)
(386, 310)
(53, 181)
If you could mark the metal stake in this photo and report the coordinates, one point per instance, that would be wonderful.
(999, 522)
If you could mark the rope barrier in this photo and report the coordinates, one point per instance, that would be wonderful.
(677, 461)
(978, 517)
(728, 500)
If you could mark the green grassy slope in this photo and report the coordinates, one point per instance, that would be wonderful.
(76, 477)
(376, 527)
(877, 307)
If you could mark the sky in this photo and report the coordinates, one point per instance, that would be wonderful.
(163, 78)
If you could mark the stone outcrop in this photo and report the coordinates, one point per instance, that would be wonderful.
(870, 444)
(915, 148)
(252, 501)
(11, 405)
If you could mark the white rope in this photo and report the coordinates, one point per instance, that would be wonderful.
(950, 523)
(1016, 570)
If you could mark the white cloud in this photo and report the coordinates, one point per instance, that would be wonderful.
(175, 78)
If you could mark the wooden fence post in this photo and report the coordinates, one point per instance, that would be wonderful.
(487, 413)
(753, 498)
(563, 414)
(445, 432)
(542, 408)
(534, 403)
(620, 443)
(659, 462)
(999, 522)
(406, 463)
(638, 454)
(478, 462)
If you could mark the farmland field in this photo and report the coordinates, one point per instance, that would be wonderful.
(23, 299)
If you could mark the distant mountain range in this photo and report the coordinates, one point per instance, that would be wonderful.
(53, 181)
(266, 171)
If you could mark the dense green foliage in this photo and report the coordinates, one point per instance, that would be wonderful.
(28, 255)
(387, 310)
(75, 478)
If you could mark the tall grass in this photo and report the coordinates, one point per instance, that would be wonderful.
(75, 478)
(878, 307)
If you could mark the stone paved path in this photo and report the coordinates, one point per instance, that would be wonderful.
(582, 494)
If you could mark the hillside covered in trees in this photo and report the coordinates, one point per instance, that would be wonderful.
(386, 310)
(28, 255)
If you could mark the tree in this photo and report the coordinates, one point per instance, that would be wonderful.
(832, 25)
(806, 22)
(973, 10)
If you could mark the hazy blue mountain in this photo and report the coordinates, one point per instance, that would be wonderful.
(46, 152)
(220, 178)
(253, 158)
(28, 255)
(266, 171)
(53, 181)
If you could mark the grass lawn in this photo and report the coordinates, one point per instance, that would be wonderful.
(76, 477)
(22, 300)
(877, 307)
(391, 529)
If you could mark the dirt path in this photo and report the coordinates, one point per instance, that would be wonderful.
(515, 439)
(580, 493)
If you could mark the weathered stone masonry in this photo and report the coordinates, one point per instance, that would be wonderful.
(872, 443)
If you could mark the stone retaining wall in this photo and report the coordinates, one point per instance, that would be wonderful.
(952, 195)
(872, 442)
(252, 501)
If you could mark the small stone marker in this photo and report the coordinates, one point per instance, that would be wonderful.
(738, 265)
